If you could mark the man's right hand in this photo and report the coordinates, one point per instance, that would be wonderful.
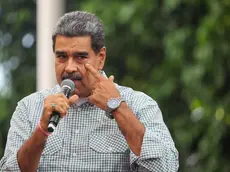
(60, 104)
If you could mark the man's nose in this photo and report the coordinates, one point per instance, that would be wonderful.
(71, 66)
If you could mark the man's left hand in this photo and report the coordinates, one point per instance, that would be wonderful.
(100, 87)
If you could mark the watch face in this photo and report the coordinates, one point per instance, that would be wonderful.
(113, 103)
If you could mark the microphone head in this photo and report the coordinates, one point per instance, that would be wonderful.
(68, 83)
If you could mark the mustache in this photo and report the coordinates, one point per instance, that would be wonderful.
(72, 76)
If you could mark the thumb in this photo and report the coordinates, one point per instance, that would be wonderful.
(73, 99)
(111, 78)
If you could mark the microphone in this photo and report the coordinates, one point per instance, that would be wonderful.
(67, 88)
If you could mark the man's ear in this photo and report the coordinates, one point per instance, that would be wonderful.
(101, 57)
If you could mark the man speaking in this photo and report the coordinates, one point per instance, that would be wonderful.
(103, 126)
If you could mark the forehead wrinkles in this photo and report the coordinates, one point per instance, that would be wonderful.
(73, 44)
(80, 45)
(73, 49)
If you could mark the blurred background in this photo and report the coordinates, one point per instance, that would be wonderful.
(176, 51)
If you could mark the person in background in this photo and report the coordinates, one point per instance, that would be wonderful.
(103, 126)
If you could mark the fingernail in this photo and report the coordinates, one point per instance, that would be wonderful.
(87, 64)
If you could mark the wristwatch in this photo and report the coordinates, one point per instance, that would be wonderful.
(113, 104)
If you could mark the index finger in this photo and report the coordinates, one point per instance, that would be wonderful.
(92, 70)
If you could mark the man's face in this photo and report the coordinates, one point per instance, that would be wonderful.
(71, 53)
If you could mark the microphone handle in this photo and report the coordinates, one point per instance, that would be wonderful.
(53, 122)
(55, 117)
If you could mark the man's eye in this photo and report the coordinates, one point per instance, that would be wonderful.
(61, 56)
(82, 57)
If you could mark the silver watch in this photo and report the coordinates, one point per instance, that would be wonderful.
(112, 104)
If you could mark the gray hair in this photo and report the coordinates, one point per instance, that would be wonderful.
(80, 23)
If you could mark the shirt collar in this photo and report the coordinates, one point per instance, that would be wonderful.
(81, 101)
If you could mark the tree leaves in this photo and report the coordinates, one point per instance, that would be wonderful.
(176, 51)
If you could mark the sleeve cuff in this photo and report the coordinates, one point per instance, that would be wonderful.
(152, 147)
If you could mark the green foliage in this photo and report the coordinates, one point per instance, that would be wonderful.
(16, 61)
(175, 51)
